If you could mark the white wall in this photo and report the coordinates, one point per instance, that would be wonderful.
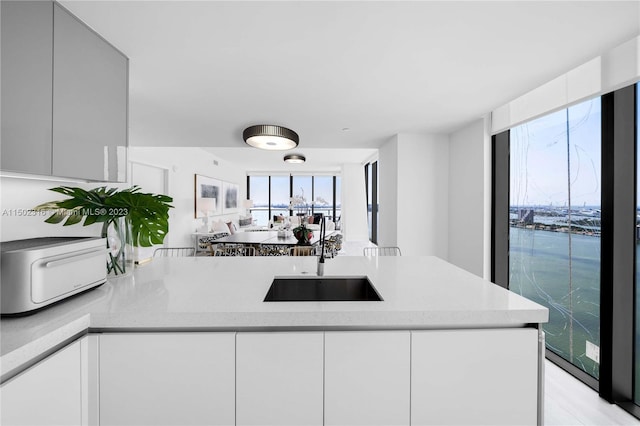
(423, 192)
(467, 216)
(421, 166)
(20, 195)
(354, 203)
(388, 189)
(183, 164)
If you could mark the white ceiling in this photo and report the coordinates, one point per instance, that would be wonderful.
(317, 159)
(202, 71)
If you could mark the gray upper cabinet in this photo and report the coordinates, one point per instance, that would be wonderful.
(64, 96)
(89, 102)
(27, 55)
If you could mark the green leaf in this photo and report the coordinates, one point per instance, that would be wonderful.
(73, 218)
(56, 218)
(147, 213)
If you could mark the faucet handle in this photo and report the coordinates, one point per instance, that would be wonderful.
(320, 271)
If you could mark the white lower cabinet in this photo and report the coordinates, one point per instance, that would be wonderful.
(431, 377)
(367, 378)
(279, 378)
(167, 378)
(49, 393)
(462, 377)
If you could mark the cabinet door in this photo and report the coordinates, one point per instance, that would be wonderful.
(50, 393)
(367, 378)
(474, 377)
(279, 378)
(89, 103)
(27, 57)
(167, 378)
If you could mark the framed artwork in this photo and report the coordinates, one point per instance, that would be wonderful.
(230, 203)
(207, 196)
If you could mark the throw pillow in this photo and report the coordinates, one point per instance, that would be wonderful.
(218, 235)
(219, 226)
(232, 227)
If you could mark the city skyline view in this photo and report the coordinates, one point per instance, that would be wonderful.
(557, 154)
(554, 219)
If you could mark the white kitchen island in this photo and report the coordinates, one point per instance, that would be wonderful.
(190, 341)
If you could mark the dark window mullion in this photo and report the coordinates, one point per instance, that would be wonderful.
(366, 184)
(269, 217)
(290, 193)
(500, 209)
(334, 199)
(618, 245)
(374, 202)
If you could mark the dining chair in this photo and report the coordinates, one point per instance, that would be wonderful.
(382, 251)
(174, 252)
(302, 251)
(234, 251)
(272, 250)
(333, 245)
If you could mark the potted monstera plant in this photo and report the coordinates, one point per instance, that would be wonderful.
(129, 217)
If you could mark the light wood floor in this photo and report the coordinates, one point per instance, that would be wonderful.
(568, 401)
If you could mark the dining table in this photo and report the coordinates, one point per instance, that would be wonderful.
(290, 240)
(249, 238)
(270, 238)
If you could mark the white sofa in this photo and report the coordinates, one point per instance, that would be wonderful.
(218, 226)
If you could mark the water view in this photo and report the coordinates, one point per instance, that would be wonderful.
(284, 195)
(554, 218)
(261, 217)
(561, 271)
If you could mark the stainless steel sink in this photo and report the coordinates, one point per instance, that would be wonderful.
(321, 289)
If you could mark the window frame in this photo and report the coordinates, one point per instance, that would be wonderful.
(618, 259)
(291, 190)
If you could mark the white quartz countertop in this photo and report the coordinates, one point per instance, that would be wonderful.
(227, 293)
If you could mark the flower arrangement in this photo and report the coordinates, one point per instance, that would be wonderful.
(301, 232)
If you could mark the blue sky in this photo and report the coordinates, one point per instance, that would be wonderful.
(323, 187)
(539, 170)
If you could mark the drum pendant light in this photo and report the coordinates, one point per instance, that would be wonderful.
(294, 158)
(270, 137)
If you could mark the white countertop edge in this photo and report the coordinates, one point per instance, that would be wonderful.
(30, 353)
(21, 358)
(178, 295)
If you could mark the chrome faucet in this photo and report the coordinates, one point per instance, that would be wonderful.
(323, 232)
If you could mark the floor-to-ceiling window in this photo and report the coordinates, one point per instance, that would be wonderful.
(337, 206)
(258, 192)
(566, 234)
(323, 195)
(554, 226)
(302, 192)
(637, 275)
(280, 195)
(297, 194)
(371, 180)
